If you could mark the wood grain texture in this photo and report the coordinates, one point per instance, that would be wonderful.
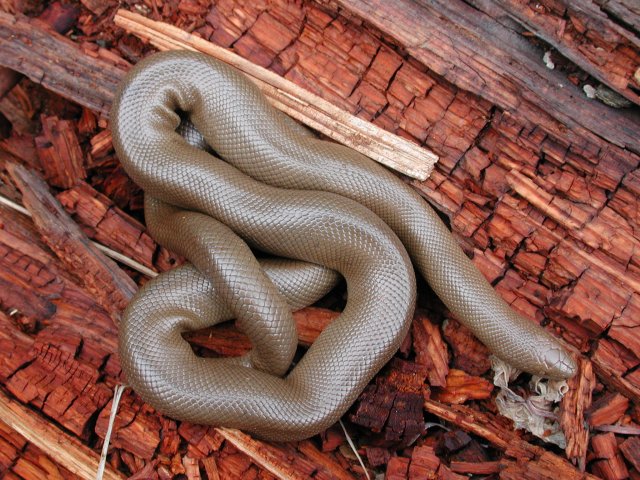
(540, 463)
(58, 71)
(311, 110)
(472, 51)
(65, 449)
(584, 34)
(106, 280)
(547, 210)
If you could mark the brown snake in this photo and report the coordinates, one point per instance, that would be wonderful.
(322, 207)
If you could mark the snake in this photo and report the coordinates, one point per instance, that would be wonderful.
(270, 217)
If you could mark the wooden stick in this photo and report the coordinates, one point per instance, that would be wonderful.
(61, 447)
(308, 108)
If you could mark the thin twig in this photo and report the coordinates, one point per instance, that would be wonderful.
(117, 394)
(355, 450)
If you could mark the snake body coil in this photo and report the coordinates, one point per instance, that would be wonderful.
(320, 205)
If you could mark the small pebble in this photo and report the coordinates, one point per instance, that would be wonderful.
(589, 91)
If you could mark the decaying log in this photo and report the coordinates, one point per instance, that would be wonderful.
(60, 67)
(508, 147)
(312, 110)
(62, 447)
(584, 34)
(101, 275)
(572, 416)
(477, 57)
(57, 16)
(565, 299)
(540, 463)
(545, 205)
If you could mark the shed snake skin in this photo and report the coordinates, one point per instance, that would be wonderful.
(318, 207)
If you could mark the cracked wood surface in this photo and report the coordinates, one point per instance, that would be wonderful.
(584, 34)
(66, 367)
(302, 105)
(101, 275)
(77, 460)
(548, 211)
(541, 464)
(471, 50)
(317, 113)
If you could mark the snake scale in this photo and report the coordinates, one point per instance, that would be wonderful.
(317, 208)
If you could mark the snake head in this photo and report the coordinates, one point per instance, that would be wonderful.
(558, 362)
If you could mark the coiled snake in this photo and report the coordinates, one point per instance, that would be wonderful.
(322, 207)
